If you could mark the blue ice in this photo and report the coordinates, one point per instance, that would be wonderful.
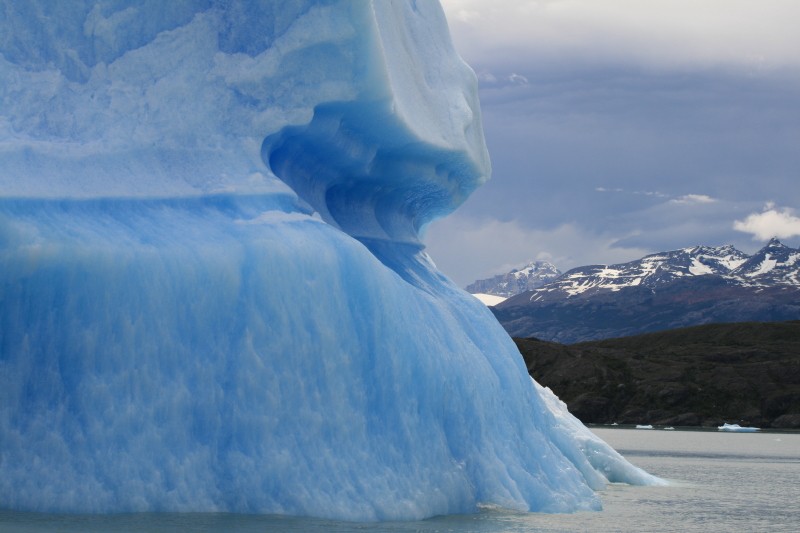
(213, 295)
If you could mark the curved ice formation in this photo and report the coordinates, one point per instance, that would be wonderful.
(179, 331)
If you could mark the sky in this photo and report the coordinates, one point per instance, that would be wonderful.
(619, 128)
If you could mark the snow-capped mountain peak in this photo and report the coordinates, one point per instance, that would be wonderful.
(526, 278)
(774, 264)
(650, 271)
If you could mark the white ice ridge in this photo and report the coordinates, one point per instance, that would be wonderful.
(606, 464)
(180, 332)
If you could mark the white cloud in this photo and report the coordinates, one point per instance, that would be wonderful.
(518, 79)
(693, 199)
(755, 35)
(464, 15)
(657, 194)
(772, 222)
(685, 199)
(487, 77)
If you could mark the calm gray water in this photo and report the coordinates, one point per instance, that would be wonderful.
(720, 482)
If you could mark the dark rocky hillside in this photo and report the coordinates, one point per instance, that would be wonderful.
(746, 373)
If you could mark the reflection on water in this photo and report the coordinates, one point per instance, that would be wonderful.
(720, 482)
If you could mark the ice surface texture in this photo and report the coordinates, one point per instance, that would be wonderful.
(179, 331)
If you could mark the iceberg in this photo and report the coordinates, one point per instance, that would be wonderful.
(213, 291)
(736, 428)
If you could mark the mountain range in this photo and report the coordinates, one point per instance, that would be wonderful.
(679, 288)
(531, 276)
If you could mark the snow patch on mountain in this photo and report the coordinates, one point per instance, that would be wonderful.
(699, 269)
(767, 265)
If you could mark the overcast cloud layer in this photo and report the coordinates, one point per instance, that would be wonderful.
(620, 128)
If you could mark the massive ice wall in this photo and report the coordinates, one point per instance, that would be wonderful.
(179, 330)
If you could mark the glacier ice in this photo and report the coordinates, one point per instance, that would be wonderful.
(182, 331)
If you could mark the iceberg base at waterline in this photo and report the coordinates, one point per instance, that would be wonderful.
(182, 331)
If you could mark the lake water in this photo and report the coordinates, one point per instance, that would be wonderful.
(720, 482)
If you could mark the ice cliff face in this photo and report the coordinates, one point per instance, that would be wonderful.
(155, 353)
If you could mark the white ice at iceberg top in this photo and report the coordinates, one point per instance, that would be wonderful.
(180, 332)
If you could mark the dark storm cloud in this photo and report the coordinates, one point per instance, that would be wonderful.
(718, 134)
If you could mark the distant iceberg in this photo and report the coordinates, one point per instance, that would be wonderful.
(213, 295)
(736, 428)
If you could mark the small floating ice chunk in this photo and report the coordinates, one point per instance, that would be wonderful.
(736, 428)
